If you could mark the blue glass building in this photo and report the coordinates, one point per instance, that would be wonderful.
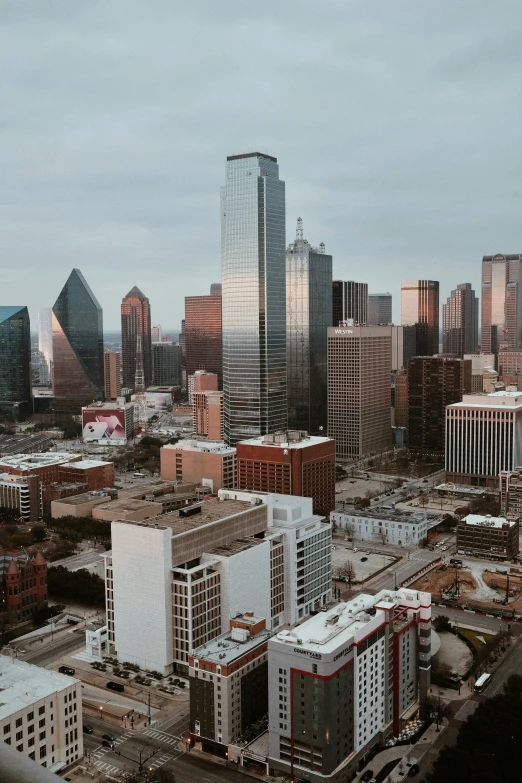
(15, 360)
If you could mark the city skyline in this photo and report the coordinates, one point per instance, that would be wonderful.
(118, 200)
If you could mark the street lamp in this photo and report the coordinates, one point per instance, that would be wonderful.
(101, 712)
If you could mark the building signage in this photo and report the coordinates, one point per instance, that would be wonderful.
(249, 754)
(309, 653)
(344, 652)
(344, 331)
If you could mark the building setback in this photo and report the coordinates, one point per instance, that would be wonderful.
(420, 306)
(254, 297)
(496, 538)
(308, 316)
(460, 317)
(340, 683)
(433, 383)
(78, 364)
(483, 437)
(135, 322)
(203, 333)
(359, 373)
(349, 302)
(289, 463)
(501, 303)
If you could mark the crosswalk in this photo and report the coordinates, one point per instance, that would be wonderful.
(161, 736)
(159, 762)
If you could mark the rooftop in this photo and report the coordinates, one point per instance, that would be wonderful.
(509, 399)
(289, 439)
(488, 521)
(225, 649)
(461, 489)
(413, 518)
(239, 545)
(110, 406)
(31, 461)
(85, 497)
(23, 684)
(16, 444)
(202, 446)
(211, 511)
(125, 504)
(324, 632)
(84, 464)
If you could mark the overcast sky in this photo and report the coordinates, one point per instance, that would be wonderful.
(397, 126)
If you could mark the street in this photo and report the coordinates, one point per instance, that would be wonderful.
(475, 620)
(55, 649)
(511, 664)
(406, 568)
(86, 559)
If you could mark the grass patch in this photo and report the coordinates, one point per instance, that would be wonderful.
(472, 637)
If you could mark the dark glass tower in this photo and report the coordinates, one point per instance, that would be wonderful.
(420, 306)
(203, 339)
(501, 302)
(308, 316)
(78, 372)
(460, 316)
(254, 297)
(15, 359)
(135, 320)
(349, 302)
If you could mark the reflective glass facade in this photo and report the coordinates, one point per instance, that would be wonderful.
(135, 320)
(420, 305)
(460, 317)
(308, 316)
(15, 355)
(379, 309)
(203, 338)
(253, 297)
(501, 303)
(167, 364)
(78, 371)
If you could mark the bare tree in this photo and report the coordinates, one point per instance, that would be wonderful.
(348, 572)
(436, 708)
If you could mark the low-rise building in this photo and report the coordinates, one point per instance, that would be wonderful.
(23, 493)
(496, 538)
(78, 505)
(45, 466)
(23, 584)
(126, 508)
(108, 423)
(343, 681)
(41, 713)
(23, 443)
(511, 493)
(229, 683)
(402, 528)
(211, 463)
(96, 473)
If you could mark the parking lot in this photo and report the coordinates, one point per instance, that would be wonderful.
(365, 563)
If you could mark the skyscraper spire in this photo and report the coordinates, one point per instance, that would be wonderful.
(299, 230)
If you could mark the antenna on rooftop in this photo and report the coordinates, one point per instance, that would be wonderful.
(299, 230)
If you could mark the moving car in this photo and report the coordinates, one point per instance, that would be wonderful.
(366, 776)
(67, 670)
(115, 686)
(108, 737)
(108, 744)
(413, 770)
(87, 728)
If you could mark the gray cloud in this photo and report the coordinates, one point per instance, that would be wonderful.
(396, 125)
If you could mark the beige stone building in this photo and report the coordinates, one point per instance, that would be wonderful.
(211, 463)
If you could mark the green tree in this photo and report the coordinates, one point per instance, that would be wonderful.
(441, 623)
(80, 586)
(513, 685)
(9, 515)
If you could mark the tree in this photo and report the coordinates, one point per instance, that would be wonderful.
(487, 746)
(78, 586)
(441, 623)
(513, 686)
(437, 709)
(38, 533)
(347, 572)
(423, 499)
(448, 522)
(9, 515)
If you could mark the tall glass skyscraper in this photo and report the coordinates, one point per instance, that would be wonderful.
(135, 320)
(253, 297)
(349, 302)
(308, 316)
(460, 317)
(45, 336)
(420, 306)
(78, 371)
(501, 302)
(15, 359)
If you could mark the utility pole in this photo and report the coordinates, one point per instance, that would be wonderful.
(149, 708)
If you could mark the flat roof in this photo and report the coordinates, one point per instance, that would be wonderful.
(201, 446)
(408, 517)
(126, 504)
(83, 464)
(85, 497)
(13, 443)
(303, 443)
(111, 406)
(461, 489)
(252, 155)
(488, 521)
(224, 649)
(238, 545)
(325, 631)
(38, 460)
(211, 511)
(502, 399)
(22, 684)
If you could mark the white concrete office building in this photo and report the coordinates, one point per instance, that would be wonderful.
(483, 437)
(200, 566)
(41, 713)
(343, 681)
(402, 528)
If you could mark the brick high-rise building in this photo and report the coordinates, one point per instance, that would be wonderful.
(135, 321)
(289, 463)
(359, 399)
(112, 375)
(207, 414)
(433, 383)
(460, 317)
(203, 333)
(420, 306)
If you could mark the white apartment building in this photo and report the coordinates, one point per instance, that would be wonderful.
(483, 437)
(402, 528)
(201, 566)
(41, 713)
(343, 681)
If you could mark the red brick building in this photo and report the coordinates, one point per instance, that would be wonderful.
(23, 584)
(45, 466)
(289, 463)
(95, 473)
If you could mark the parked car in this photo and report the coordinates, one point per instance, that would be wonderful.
(366, 776)
(115, 686)
(87, 728)
(67, 670)
(413, 770)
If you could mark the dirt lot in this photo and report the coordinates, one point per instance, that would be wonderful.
(479, 586)
(436, 581)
